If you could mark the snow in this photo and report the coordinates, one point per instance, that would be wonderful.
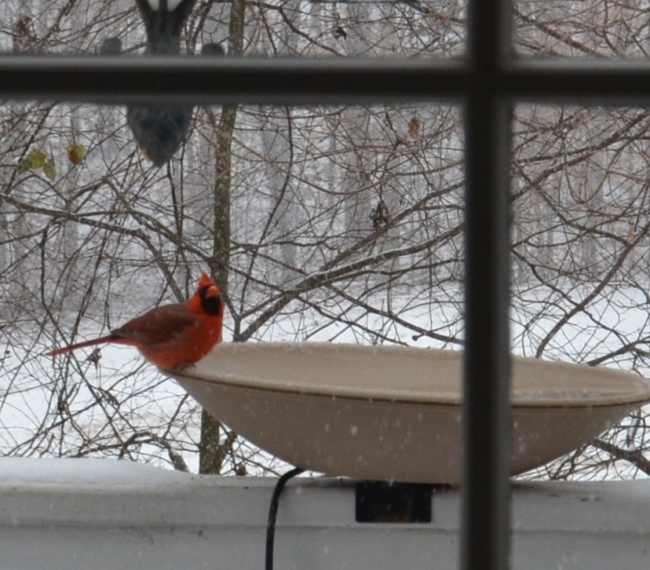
(87, 472)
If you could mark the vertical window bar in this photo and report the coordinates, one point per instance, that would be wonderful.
(485, 540)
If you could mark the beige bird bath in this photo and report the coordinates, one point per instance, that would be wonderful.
(393, 413)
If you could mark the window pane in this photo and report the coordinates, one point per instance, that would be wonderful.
(345, 225)
(277, 28)
(599, 28)
(581, 273)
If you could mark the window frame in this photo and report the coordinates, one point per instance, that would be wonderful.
(486, 83)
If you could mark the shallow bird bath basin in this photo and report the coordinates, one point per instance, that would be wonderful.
(393, 413)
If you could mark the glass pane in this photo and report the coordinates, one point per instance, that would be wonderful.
(272, 29)
(340, 224)
(581, 273)
(582, 29)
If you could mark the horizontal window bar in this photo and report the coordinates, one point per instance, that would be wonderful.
(606, 81)
(201, 80)
(293, 81)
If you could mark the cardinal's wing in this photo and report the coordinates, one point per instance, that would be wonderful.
(158, 326)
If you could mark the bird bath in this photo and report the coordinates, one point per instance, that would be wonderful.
(393, 413)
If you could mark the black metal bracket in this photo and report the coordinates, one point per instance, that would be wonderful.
(386, 502)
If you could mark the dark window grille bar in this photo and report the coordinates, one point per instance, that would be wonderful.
(94, 79)
(485, 537)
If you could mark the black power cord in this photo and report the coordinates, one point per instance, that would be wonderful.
(273, 512)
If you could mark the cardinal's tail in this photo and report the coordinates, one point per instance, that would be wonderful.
(101, 340)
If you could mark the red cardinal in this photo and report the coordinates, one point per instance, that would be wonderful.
(182, 333)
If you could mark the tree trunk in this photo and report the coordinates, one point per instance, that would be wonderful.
(211, 450)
